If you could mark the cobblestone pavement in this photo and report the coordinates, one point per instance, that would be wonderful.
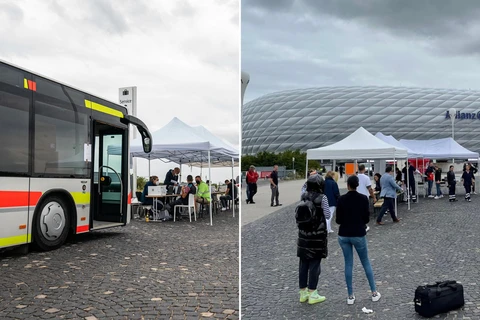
(153, 270)
(436, 240)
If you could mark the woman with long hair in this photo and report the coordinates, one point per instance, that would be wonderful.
(312, 238)
(353, 213)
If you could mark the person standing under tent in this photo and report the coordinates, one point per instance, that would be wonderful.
(430, 177)
(452, 182)
(467, 182)
(252, 177)
(389, 194)
(274, 187)
(365, 186)
(438, 180)
(474, 172)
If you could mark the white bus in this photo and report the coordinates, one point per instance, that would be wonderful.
(57, 177)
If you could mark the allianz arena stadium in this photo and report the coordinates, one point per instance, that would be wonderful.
(316, 117)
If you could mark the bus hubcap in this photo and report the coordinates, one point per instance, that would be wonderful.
(52, 220)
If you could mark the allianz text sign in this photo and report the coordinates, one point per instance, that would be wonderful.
(464, 115)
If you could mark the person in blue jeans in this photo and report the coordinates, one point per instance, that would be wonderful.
(353, 213)
(388, 193)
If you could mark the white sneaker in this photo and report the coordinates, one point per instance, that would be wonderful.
(436, 197)
(351, 300)
(224, 209)
(376, 296)
(430, 196)
(441, 196)
(368, 228)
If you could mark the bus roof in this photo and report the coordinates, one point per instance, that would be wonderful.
(64, 84)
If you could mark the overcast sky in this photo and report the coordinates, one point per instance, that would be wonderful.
(182, 55)
(289, 44)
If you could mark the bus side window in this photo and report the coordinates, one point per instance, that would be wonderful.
(61, 131)
(14, 132)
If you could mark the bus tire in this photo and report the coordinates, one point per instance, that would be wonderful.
(51, 223)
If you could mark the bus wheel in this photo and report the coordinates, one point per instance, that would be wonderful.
(51, 225)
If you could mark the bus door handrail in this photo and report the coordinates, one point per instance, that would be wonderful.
(121, 185)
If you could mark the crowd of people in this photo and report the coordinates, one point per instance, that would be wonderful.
(321, 202)
(181, 192)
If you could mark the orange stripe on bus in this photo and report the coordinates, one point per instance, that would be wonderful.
(18, 198)
(129, 201)
(81, 229)
(34, 87)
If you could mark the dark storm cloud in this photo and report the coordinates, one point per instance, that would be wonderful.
(293, 44)
(428, 20)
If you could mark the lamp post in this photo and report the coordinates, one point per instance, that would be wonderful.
(453, 113)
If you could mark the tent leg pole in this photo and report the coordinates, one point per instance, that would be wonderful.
(210, 188)
(408, 184)
(306, 168)
(396, 208)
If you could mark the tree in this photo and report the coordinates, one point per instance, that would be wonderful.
(266, 159)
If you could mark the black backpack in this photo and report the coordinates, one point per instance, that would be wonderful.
(306, 215)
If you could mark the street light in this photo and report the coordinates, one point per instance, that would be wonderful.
(293, 162)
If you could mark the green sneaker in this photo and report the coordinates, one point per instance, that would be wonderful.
(304, 294)
(315, 298)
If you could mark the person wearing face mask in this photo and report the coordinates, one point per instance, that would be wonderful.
(203, 192)
(152, 182)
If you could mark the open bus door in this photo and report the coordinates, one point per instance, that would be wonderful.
(111, 174)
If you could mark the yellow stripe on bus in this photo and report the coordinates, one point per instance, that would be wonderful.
(80, 197)
(25, 83)
(101, 108)
(11, 241)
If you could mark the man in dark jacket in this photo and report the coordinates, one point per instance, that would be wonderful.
(452, 182)
(171, 178)
(332, 193)
(312, 241)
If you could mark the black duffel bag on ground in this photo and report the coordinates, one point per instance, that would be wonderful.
(441, 297)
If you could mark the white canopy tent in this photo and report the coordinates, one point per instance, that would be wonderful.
(394, 142)
(445, 148)
(361, 144)
(180, 143)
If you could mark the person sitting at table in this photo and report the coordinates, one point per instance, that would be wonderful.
(171, 178)
(183, 199)
(230, 194)
(152, 182)
(203, 192)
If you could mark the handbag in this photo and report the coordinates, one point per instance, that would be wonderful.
(441, 297)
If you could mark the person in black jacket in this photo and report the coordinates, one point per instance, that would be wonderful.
(312, 241)
(353, 213)
(467, 182)
(377, 177)
(451, 185)
(438, 181)
(171, 178)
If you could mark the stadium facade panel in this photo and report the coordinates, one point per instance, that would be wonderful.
(316, 117)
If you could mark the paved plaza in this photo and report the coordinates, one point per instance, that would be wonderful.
(436, 240)
(152, 270)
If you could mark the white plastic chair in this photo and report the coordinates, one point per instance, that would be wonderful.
(190, 205)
